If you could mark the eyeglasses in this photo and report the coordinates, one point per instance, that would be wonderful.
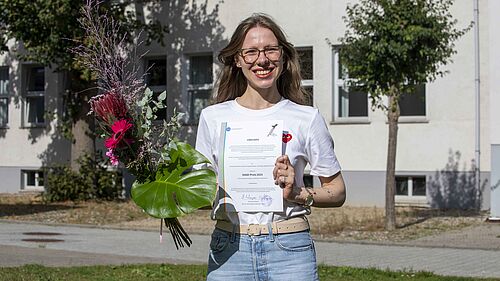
(250, 55)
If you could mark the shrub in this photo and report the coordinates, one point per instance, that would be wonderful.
(93, 181)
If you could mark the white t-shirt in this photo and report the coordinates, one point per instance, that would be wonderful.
(310, 142)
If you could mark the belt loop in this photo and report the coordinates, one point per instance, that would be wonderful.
(233, 234)
(270, 227)
(270, 230)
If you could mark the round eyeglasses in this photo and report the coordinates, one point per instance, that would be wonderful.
(250, 55)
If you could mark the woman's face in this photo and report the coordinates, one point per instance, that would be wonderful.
(264, 71)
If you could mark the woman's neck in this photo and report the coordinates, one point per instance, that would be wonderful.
(264, 98)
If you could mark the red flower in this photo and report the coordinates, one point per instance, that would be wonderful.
(109, 106)
(119, 129)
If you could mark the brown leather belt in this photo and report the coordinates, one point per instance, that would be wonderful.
(295, 224)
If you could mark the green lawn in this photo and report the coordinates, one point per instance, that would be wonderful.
(152, 272)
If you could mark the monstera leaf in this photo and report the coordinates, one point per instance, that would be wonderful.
(176, 191)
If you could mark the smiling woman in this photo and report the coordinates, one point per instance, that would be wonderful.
(260, 81)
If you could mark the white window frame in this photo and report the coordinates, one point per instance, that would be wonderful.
(410, 199)
(5, 96)
(338, 81)
(24, 180)
(190, 88)
(31, 94)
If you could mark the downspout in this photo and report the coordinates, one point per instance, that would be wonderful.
(477, 123)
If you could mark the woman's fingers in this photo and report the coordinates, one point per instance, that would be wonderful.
(283, 172)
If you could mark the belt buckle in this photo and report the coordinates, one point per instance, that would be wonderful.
(253, 229)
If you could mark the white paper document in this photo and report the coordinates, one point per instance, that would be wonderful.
(249, 152)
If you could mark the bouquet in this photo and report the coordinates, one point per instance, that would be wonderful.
(125, 111)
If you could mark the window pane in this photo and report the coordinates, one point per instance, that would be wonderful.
(306, 63)
(199, 100)
(4, 111)
(419, 186)
(4, 80)
(157, 72)
(36, 79)
(30, 178)
(413, 104)
(352, 103)
(402, 186)
(200, 70)
(36, 109)
(342, 74)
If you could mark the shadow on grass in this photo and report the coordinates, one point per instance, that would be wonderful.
(415, 215)
(7, 210)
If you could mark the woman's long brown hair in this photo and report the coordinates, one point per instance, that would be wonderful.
(232, 83)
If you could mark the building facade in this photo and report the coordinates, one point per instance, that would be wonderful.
(436, 141)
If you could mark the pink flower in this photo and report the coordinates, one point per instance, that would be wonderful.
(119, 129)
(113, 158)
(109, 106)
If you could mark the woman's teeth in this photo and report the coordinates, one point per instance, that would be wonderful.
(262, 72)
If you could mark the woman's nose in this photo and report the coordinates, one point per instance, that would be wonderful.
(262, 59)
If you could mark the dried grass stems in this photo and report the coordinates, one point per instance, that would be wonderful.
(110, 53)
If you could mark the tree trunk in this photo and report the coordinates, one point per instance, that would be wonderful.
(82, 128)
(83, 140)
(390, 180)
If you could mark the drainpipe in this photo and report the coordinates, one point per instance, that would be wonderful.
(477, 81)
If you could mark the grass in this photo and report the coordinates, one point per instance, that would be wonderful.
(151, 272)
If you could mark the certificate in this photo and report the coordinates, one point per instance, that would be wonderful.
(249, 151)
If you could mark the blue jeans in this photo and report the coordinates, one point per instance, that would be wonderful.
(289, 256)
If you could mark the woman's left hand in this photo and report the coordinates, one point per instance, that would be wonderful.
(284, 176)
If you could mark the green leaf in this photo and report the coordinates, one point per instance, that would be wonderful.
(162, 96)
(175, 192)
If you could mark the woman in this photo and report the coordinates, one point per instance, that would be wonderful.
(260, 80)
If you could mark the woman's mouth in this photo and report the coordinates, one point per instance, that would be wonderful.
(263, 73)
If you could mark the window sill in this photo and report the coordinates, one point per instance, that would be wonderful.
(350, 121)
(4, 127)
(420, 201)
(32, 189)
(412, 119)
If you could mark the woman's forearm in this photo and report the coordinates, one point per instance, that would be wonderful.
(330, 194)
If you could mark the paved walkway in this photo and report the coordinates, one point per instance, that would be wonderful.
(88, 246)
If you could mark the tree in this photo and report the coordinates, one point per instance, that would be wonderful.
(47, 30)
(390, 46)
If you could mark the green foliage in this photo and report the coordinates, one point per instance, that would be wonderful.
(49, 28)
(175, 191)
(393, 45)
(92, 181)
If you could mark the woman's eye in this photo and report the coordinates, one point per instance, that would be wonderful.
(251, 52)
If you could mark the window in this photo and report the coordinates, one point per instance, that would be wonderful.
(348, 102)
(413, 104)
(4, 96)
(34, 104)
(32, 180)
(410, 186)
(156, 80)
(306, 71)
(199, 86)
